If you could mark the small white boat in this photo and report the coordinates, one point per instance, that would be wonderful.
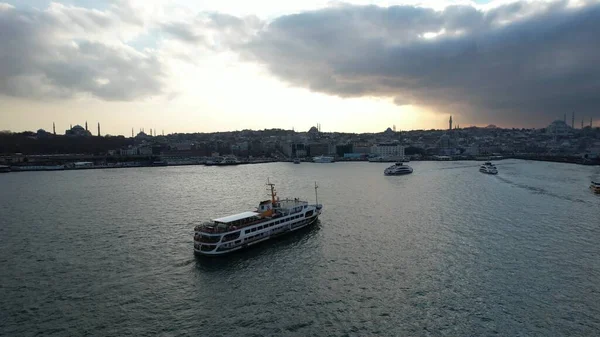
(323, 159)
(398, 169)
(488, 168)
(595, 187)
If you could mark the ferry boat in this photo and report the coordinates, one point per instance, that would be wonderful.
(272, 218)
(323, 159)
(398, 169)
(488, 168)
(595, 187)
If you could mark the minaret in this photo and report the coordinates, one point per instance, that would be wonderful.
(53, 128)
(450, 123)
(70, 126)
(86, 126)
(131, 132)
(98, 129)
(573, 121)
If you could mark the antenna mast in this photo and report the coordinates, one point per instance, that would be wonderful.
(273, 192)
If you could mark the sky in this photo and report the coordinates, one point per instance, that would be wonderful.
(352, 66)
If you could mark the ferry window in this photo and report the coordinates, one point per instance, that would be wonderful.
(238, 241)
(246, 231)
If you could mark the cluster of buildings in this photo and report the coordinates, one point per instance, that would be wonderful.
(557, 139)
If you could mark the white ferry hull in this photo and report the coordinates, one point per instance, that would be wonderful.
(397, 173)
(273, 233)
(488, 171)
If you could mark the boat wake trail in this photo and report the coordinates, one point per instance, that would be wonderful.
(539, 190)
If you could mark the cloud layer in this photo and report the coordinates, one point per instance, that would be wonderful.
(64, 51)
(520, 63)
(513, 64)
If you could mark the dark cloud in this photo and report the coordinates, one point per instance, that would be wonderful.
(64, 51)
(521, 63)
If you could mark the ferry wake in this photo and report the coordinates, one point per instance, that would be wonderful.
(272, 218)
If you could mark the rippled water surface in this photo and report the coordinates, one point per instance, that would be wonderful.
(444, 251)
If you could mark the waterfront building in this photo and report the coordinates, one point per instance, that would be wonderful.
(387, 150)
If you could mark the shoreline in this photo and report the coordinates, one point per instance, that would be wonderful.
(46, 168)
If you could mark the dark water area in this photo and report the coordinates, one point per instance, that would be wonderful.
(445, 251)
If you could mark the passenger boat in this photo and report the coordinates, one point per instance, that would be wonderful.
(595, 187)
(323, 159)
(488, 168)
(398, 169)
(272, 218)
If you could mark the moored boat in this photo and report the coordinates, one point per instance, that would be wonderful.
(223, 161)
(272, 218)
(323, 159)
(388, 159)
(38, 168)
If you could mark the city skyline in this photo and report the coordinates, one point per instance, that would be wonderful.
(354, 66)
(161, 132)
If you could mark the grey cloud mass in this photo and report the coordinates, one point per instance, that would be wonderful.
(521, 63)
(64, 51)
(214, 30)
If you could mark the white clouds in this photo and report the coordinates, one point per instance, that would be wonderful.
(62, 50)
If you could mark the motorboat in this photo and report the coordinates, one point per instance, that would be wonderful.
(488, 168)
(398, 169)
